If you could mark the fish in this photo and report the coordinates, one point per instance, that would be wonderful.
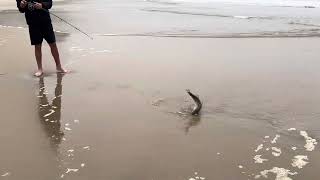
(198, 104)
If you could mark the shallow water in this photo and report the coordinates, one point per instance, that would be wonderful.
(217, 18)
(103, 114)
(101, 122)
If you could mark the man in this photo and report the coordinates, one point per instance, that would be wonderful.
(40, 27)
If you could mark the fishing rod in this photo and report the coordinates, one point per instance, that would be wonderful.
(70, 24)
(31, 8)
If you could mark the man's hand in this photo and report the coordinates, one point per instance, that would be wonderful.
(23, 4)
(38, 5)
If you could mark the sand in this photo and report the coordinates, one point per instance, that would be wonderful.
(7, 4)
(102, 113)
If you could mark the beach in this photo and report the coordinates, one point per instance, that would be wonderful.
(119, 113)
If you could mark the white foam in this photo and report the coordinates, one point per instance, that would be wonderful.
(18, 27)
(103, 51)
(259, 148)
(292, 129)
(6, 174)
(197, 177)
(281, 173)
(71, 170)
(299, 161)
(258, 159)
(257, 176)
(68, 129)
(242, 17)
(76, 49)
(267, 137)
(285, 3)
(70, 155)
(82, 165)
(276, 151)
(310, 143)
(294, 148)
(86, 147)
(275, 139)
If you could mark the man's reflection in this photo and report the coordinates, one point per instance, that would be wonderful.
(50, 114)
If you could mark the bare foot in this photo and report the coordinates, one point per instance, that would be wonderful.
(38, 73)
(61, 70)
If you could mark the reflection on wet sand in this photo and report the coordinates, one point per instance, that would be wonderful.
(50, 114)
(181, 108)
(192, 121)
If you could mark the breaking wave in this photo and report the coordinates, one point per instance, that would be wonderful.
(278, 3)
(298, 33)
(203, 14)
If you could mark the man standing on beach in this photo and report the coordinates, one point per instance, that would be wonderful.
(40, 27)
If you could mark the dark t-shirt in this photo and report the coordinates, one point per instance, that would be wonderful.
(37, 17)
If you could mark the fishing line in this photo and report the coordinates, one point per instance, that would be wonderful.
(32, 8)
(69, 24)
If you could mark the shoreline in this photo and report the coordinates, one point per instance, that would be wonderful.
(116, 115)
(253, 91)
(266, 35)
(216, 26)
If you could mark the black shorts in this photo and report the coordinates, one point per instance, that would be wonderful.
(39, 32)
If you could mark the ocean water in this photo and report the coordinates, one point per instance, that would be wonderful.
(247, 18)
(185, 18)
(118, 108)
(285, 3)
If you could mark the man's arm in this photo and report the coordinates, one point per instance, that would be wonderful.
(21, 5)
(46, 4)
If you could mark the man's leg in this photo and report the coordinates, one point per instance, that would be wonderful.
(56, 57)
(38, 54)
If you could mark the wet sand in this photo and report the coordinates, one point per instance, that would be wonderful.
(114, 116)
